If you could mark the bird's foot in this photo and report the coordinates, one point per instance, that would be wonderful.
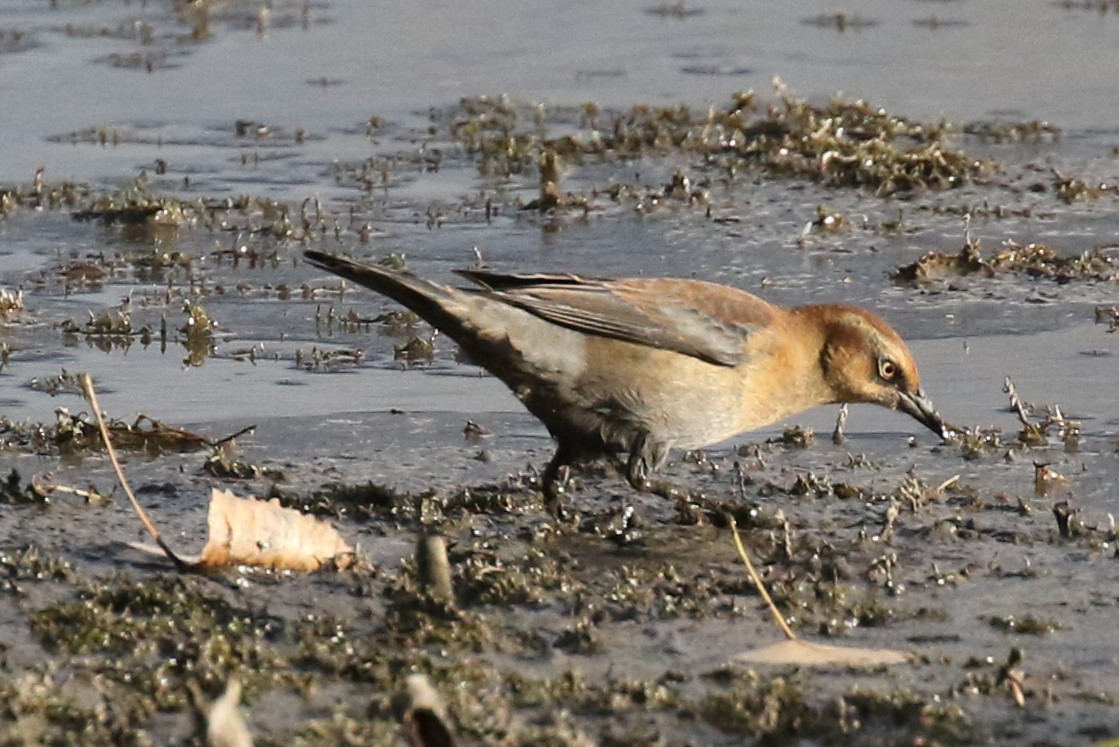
(554, 506)
(665, 489)
(554, 490)
(623, 527)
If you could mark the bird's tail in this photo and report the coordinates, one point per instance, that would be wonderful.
(428, 299)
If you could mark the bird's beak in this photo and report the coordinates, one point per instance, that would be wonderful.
(917, 406)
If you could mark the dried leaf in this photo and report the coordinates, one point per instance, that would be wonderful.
(805, 653)
(251, 532)
(248, 531)
(224, 725)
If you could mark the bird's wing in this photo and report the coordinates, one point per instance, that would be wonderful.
(704, 320)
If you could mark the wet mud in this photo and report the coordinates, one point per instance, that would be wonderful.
(161, 255)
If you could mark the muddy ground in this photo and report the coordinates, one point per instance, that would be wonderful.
(172, 275)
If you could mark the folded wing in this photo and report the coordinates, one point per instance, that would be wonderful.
(703, 320)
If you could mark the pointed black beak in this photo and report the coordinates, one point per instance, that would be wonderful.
(917, 406)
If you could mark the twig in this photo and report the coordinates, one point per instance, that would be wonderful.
(91, 396)
(947, 483)
(1015, 402)
(230, 437)
(91, 496)
(760, 585)
(837, 436)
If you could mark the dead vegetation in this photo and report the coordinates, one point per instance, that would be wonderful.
(1038, 261)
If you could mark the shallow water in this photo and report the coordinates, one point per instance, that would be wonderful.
(328, 67)
(996, 59)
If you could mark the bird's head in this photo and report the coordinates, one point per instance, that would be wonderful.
(865, 360)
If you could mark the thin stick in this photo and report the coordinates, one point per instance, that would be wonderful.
(87, 390)
(1015, 401)
(89, 495)
(837, 436)
(947, 483)
(757, 579)
(230, 437)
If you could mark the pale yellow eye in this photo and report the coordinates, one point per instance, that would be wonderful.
(887, 369)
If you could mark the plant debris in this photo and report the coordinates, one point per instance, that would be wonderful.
(1032, 260)
(247, 531)
(840, 144)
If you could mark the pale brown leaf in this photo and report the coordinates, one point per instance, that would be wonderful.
(247, 531)
(224, 725)
(804, 653)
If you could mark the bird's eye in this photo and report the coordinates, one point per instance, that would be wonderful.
(887, 369)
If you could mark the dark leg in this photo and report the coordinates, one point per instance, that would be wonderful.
(554, 481)
(646, 457)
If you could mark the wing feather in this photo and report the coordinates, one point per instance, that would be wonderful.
(704, 320)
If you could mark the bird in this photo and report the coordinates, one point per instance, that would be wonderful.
(640, 366)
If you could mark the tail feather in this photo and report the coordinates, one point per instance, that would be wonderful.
(426, 298)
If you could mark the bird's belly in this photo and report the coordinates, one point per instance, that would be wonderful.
(628, 392)
(601, 394)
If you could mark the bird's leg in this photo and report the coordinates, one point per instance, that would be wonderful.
(554, 482)
(646, 457)
(637, 469)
